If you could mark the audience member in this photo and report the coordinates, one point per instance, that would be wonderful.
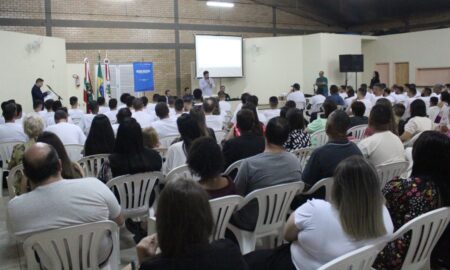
(399, 111)
(143, 118)
(111, 114)
(273, 111)
(297, 96)
(244, 97)
(198, 97)
(122, 114)
(425, 190)
(75, 113)
(248, 144)
(334, 96)
(179, 107)
(258, 127)
(205, 159)
(383, 146)
(68, 133)
(11, 131)
(215, 122)
(198, 115)
(273, 167)
(100, 139)
(418, 122)
(187, 105)
(351, 96)
(358, 118)
(150, 137)
(225, 106)
(324, 160)
(151, 106)
(49, 116)
(86, 121)
(361, 97)
(123, 100)
(102, 108)
(298, 137)
(433, 110)
(38, 107)
(346, 223)
(316, 102)
(129, 155)
(320, 122)
(377, 90)
(343, 92)
(165, 126)
(129, 102)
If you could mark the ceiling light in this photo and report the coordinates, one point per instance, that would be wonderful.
(220, 4)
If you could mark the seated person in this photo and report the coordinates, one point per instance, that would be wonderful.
(215, 122)
(121, 115)
(273, 111)
(225, 106)
(382, 146)
(418, 122)
(205, 159)
(433, 110)
(183, 229)
(315, 104)
(100, 139)
(257, 126)
(68, 133)
(11, 131)
(58, 203)
(358, 118)
(248, 144)
(86, 120)
(142, 117)
(321, 121)
(298, 137)
(399, 111)
(324, 160)
(334, 96)
(151, 139)
(273, 167)
(165, 126)
(320, 231)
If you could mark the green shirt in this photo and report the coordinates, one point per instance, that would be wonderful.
(322, 84)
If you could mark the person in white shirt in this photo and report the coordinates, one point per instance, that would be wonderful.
(321, 231)
(244, 97)
(215, 122)
(11, 131)
(68, 133)
(225, 106)
(57, 203)
(400, 96)
(418, 122)
(86, 120)
(377, 92)
(75, 112)
(121, 115)
(383, 146)
(143, 118)
(123, 100)
(206, 84)
(351, 97)
(102, 108)
(50, 113)
(343, 92)
(433, 110)
(151, 106)
(426, 95)
(387, 94)
(273, 111)
(255, 101)
(111, 114)
(411, 93)
(297, 96)
(179, 108)
(171, 104)
(316, 102)
(165, 126)
(361, 97)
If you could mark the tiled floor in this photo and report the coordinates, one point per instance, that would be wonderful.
(11, 253)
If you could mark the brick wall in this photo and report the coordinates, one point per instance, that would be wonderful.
(142, 28)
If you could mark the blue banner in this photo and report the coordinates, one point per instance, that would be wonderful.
(143, 76)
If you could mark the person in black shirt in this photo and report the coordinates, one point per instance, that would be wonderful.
(184, 226)
(36, 93)
(375, 79)
(358, 109)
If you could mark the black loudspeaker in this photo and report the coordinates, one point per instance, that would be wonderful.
(351, 63)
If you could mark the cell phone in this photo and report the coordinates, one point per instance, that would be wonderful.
(437, 120)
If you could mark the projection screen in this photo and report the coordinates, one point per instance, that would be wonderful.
(220, 55)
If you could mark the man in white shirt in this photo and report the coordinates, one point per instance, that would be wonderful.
(400, 96)
(86, 120)
(151, 106)
(225, 106)
(212, 121)
(206, 84)
(361, 96)
(75, 112)
(179, 108)
(377, 92)
(143, 118)
(50, 114)
(57, 203)
(426, 95)
(273, 111)
(68, 133)
(102, 108)
(297, 96)
(316, 102)
(111, 114)
(11, 131)
(165, 126)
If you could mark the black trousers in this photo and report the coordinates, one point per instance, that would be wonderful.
(271, 259)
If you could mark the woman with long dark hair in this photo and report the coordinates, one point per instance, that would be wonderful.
(258, 126)
(375, 79)
(418, 122)
(298, 137)
(100, 139)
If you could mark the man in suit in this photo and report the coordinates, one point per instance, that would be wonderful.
(36, 92)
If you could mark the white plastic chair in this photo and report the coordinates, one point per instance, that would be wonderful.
(180, 171)
(75, 247)
(6, 150)
(14, 176)
(358, 132)
(327, 183)
(167, 141)
(134, 192)
(300, 105)
(303, 155)
(273, 204)
(220, 135)
(319, 138)
(410, 143)
(360, 259)
(74, 151)
(426, 230)
(222, 209)
(233, 167)
(387, 172)
(92, 164)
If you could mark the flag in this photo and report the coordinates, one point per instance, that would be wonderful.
(87, 92)
(100, 90)
(107, 79)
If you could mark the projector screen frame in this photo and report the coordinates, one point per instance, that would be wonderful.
(242, 54)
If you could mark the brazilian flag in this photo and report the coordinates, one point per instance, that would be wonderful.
(100, 89)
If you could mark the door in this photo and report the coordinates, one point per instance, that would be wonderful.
(383, 70)
(401, 73)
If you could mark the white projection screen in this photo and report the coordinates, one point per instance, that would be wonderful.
(220, 55)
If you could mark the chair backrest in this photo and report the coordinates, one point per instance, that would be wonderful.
(180, 171)
(6, 150)
(303, 155)
(220, 135)
(14, 175)
(358, 132)
(410, 143)
(75, 247)
(233, 169)
(74, 151)
(222, 209)
(92, 164)
(327, 183)
(360, 259)
(273, 204)
(387, 172)
(426, 230)
(319, 138)
(134, 192)
(167, 141)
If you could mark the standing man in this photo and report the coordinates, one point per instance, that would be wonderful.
(36, 92)
(322, 83)
(207, 84)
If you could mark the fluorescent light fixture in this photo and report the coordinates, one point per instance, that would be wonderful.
(219, 4)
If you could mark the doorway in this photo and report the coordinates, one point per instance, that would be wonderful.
(383, 70)
(402, 73)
